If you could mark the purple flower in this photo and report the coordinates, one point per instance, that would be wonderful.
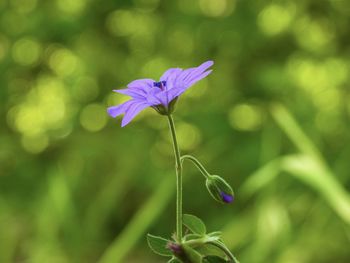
(159, 95)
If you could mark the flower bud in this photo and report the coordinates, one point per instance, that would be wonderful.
(219, 189)
(185, 253)
(176, 249)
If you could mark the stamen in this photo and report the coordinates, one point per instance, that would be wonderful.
(160, 84)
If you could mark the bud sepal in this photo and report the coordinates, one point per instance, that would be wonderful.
(166, 110)
(219, 189)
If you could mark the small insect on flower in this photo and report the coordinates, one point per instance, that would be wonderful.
(160, 95)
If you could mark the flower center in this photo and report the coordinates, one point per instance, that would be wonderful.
(160, 84)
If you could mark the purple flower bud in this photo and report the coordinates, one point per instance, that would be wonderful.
(227, 198)
(184, 252)
(176, 248)
(219, 189)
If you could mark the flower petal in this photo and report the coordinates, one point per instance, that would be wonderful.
(151, 97)
(198, 78)
(132, 111)
(133, 92)
(186, 73)
(145, 84)
(163, 98)
(191, 75)
(114, 111)
(175, 92)
(204, 66)
(198, 71)
(170, 73)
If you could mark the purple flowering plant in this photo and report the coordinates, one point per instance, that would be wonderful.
(196, 245)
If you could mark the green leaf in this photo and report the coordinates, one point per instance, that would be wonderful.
(192, 236)
(174, 260)
(224, 249)
(194, 224)
(214, 259)
(192, 256)
(158, 245)
(210, 250)
(215, 234)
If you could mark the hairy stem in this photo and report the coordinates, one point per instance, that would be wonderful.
(196, 163)
(178, 179)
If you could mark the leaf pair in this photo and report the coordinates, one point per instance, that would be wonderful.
(179, 253)
(196, 247)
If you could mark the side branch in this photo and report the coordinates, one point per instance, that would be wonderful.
(198, 165)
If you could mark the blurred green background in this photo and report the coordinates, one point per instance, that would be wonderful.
(273, 119)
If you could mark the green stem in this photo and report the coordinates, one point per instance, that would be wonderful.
(178, 179)
(225, 249)
(197, 164)
(217, 243)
